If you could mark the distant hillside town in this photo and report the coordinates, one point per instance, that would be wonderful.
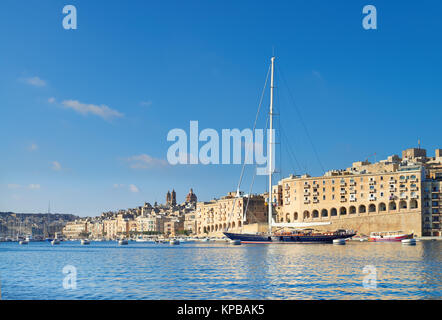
(39, 225)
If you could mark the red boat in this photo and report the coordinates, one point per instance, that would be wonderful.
(389, 236)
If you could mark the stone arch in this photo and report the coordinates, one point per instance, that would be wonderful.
(287, 217)
(352, 210)
(414, 204)
(324, 213)
(343, 211)
(224, 225)
(362, 209)
(306, 214)
(333, 212)
(372, 208)
(315, 214)
(403, 204)
(382, 207)
(233, 224)
(239, 224)
(295, 216)
(392, 206)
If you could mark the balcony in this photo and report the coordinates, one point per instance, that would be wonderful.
(306, 193)
(353, 199)
(316, 185)
(342, 183)
(306, 201)
(403, 189)
(414, 196)
(352, 191)
(352, 183)
(372, 182)
(392, 189)
(306, 185)
(373, 191)
(343, 192)
(315, 200)
(392, 181)
(403, 197)
(316, 193)
(343, 199)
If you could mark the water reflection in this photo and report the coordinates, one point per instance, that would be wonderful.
(221, 271)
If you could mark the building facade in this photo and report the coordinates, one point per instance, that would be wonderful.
(227, 214)
(391, 195)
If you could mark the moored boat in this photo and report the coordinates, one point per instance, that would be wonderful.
(297, 236)
(123, 242)
(389, 236)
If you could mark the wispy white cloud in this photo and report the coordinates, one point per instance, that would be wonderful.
(133, 188)
(13, 186)
(317, 74)
(34, 186)
(51, 100)
(33, 147)
(56, 166)
(102, 111)
(144, 161)
(118, 185)
(146, 103)
(34, 81)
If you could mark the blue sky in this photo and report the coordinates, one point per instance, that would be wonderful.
(156, 65)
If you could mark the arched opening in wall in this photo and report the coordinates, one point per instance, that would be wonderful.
(216, 227)
(281, 220)
(343, 211)
(205, 230)
(229, 225)
(295, 216)
(382, 207)
(220, 227)
(392, 206)
(333, 212)
(233, 224)
(324, 213)
(239, 224)
(224, 226)
(287, 217)
(371, 208)
(352, 210)
(315, 214)
(403, 204)
(306, 215)
(362, 209)
(413, 204)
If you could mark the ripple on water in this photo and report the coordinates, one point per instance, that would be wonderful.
(220, 271)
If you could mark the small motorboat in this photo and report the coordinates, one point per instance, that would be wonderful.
(123, 242)
(23, 242)
(85, 242)
(55, 242)
(174, 241)
(339, 241)
(235, 242)
(410, 242)
(389, 236)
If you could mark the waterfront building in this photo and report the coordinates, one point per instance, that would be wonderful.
(219, 215)
(190, 222)
(392, 194)
(174, 226)
(75, 229)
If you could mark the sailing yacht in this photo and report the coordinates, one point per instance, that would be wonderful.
(295, 236)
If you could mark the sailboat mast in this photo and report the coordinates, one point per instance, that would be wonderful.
(271, 147)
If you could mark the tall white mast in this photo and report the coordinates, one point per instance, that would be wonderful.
(271, 148)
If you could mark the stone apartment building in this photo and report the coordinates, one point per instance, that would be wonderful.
(390, 195)
(227, 214)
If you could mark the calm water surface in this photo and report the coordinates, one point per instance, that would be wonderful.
(221, 271)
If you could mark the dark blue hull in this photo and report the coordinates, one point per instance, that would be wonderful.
(256, 238)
